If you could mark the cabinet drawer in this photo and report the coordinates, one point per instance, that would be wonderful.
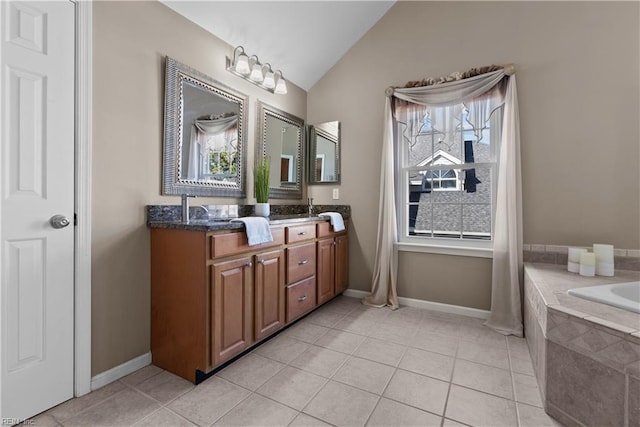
(221, 245)
(299, 233)
(301, 262)
(325, 229)
(301, 298)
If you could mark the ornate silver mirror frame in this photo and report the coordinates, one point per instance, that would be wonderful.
(324, 153)
(281, 137)
(188, 89)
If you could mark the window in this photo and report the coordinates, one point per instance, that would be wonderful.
(445, 174)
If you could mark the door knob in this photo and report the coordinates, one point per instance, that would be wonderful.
(59, 221)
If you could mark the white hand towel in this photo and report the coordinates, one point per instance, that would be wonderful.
(257, 228)
(336, 220)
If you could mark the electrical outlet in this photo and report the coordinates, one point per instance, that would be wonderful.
(336, 193)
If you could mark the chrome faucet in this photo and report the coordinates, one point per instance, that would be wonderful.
(185, 207)
(310, 205)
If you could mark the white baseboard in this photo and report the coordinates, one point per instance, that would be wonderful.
(429, 305)
(120, 371)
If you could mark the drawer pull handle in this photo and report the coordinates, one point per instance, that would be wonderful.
(302, 298)
(302, 233)
(303, 262)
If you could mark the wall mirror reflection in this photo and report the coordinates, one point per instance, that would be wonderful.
(324, 153)
(204, 136)
(281, 138)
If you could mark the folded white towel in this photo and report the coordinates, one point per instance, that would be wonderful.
(336, 220)
(257, 228)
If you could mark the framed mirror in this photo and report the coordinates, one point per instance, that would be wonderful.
(204, 135)
(281, 138)
(324, 153)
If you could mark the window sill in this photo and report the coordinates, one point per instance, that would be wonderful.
(445, 250)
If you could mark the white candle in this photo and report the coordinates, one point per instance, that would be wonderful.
(573, 264)
(587, 264)
(604, 259)
(604, 253)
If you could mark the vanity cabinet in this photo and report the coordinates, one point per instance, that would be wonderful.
(213, 296)
(332, 269)
(269, 293)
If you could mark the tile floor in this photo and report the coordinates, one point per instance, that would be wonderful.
(346, 365)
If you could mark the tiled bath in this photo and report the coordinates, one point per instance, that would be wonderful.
(586, 355)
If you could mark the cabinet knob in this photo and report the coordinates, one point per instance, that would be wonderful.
(249, 264)
(302, 298)
(334, 243)
(261, 261)
(303, 262)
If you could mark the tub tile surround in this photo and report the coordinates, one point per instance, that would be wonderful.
(584, 353)
(322, 371)
(624, 259)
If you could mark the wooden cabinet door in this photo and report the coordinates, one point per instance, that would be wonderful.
(232, 314)
(325, 273)
(342, 263)
(269, 310)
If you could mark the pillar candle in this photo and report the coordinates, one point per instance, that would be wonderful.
(604, 259)
(573, 265)
(587, 264)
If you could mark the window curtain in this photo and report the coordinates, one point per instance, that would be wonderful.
(478, 92)
(202, 127)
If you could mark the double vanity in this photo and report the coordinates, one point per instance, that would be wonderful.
(213, 296)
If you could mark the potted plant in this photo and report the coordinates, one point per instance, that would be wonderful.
(261, 184)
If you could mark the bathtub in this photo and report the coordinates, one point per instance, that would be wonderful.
(622, 295)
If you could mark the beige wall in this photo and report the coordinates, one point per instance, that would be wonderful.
(131, 40)
(578, 84)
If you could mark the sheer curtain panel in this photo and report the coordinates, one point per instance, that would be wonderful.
(482, 91)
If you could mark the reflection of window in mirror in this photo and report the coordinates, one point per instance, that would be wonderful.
(325, 149)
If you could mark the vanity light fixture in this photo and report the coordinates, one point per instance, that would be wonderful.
(250, 69)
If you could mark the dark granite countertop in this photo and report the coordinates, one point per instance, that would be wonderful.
(227, 224)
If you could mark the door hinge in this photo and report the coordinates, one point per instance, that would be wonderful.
(75, 219)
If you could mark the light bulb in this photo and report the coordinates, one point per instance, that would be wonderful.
(242, 64)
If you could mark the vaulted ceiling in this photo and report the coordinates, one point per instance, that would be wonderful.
(304, 39)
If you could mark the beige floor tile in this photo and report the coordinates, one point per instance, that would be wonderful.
(485, 354)
(377, 314)
(124, 408)
(209, 401)
(258, 411)
(482, 334)
(481, 409)
(526, 389)
(391, 413)
(441, 326)
(517, 347)
(342, 405)
(163, 418)
(327, 318)
(535, 417)
(483, 378)
(251, 371)
(43, 420)
(357, 325)
(292, 387)
(522, 365)
(320, 361)
(164, 387)
(307, 332)
(282, 348)
(427, 363)
(394, 333)
(141, 375)
(364, 374)
(417, 390)
(344, 342)
(304, 420)
(437, 343)
(72, 407)
(450, 423)
(380, 351)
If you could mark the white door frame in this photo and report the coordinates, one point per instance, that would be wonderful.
(83, 166)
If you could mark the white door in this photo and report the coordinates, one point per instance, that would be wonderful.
(36, 183)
